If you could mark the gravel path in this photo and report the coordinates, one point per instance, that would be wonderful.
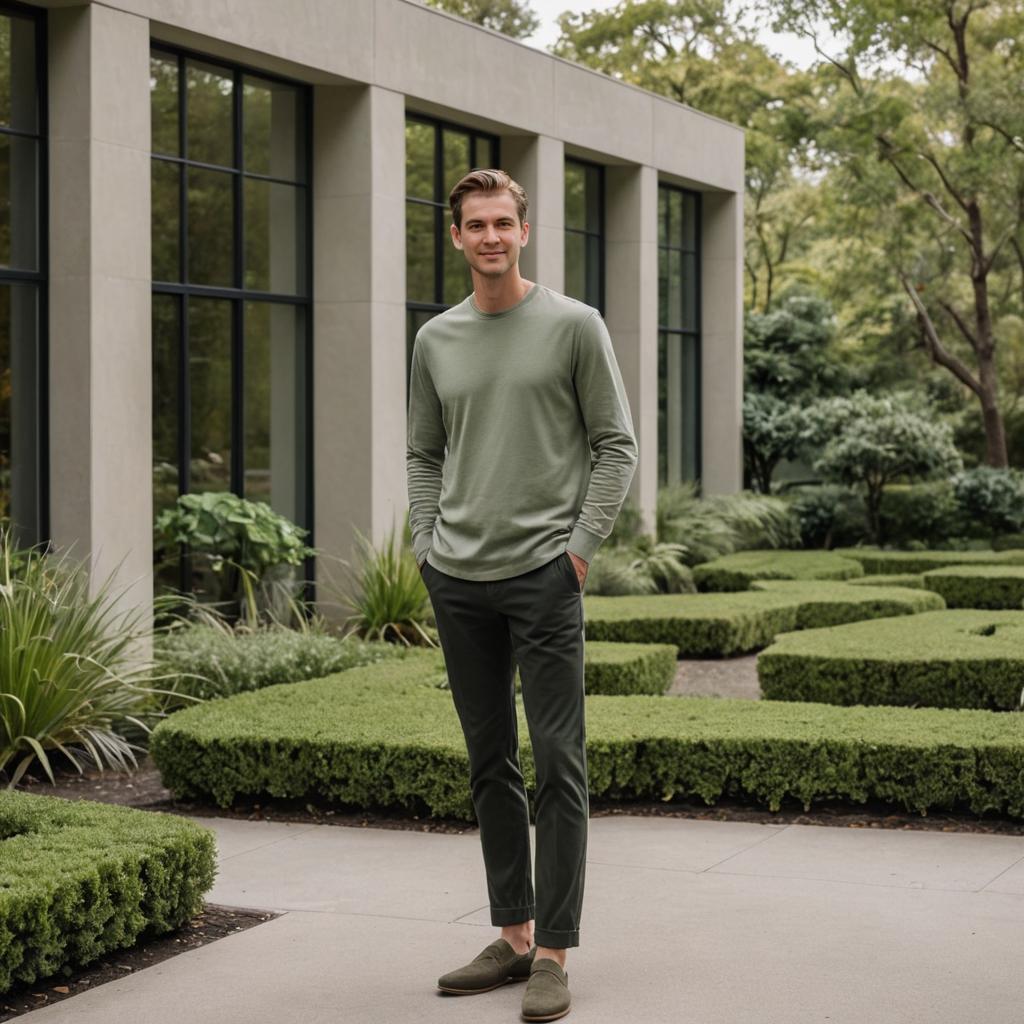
(717, 677)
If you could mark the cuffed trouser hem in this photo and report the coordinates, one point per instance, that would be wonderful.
(512, 915)
(555, 940)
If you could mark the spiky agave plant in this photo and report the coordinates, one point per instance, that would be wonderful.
(71, 672)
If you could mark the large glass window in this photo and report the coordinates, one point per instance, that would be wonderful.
(231, 285)
(23, 492)
(584, 232)
(437, 155)
(679, 413)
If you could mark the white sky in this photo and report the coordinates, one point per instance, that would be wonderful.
(790, 47)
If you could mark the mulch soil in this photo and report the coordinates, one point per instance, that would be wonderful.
(142, 788)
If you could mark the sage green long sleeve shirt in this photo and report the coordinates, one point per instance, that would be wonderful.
(520, 438)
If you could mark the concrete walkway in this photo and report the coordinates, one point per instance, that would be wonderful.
(684, 921)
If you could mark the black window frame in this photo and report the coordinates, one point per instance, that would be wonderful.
(440, 206)
(238, 295)
(695, 334)
(41, 529)
(600, 234)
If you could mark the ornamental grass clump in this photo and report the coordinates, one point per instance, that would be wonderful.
(72, 678)
(385, 595)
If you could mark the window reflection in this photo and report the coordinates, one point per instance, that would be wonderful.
(274, 406)
(210, 106)
(584, 232)
(22, 266)
(679, 407)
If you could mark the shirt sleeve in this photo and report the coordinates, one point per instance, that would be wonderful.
(609, 423)
(425, 453)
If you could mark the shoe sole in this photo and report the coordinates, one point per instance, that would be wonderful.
(474, 991)
(549, 1016)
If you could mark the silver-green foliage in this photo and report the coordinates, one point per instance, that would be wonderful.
(213, 662)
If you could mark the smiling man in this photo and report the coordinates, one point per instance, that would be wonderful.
(520, 452)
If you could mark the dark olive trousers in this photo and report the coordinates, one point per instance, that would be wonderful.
(486, 628)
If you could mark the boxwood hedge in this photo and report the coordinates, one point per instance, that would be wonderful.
(978, 586)
(738, 570)
(629, 668)
(877, 560)
(384, 735)
(943, 659)
(80, 879)
(896, 579)
(721, 625)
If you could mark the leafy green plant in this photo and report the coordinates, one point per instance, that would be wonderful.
(248, 547)
(828, 515)
(992, 498)
(73, 677)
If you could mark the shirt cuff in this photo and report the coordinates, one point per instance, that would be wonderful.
(584, 543)
(421, 544)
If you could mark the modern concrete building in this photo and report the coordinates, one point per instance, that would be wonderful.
(222, 224)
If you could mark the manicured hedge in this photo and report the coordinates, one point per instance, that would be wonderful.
(896, 579)
(877, 560)
(978, 586)
(737, 571)
(384, 735)
(944, 659)
(628, 668)
(721, 625)
(80, 879)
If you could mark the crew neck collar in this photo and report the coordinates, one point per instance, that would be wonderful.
(502, 312)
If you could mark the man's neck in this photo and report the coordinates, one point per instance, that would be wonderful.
(492, 295)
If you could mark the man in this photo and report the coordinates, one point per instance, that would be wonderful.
(520, 452)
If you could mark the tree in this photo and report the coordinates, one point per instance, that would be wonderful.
(870, 441)
(513, 18)
(789, 359)
(698, 53)
(773, 430)
(935, 163)
(790, 352)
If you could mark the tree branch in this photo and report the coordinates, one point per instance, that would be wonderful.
(939, 353)
(961, 323)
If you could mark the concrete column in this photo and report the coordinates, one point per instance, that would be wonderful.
(722, 342)
(537, 162)
(359, 324)
(631, 300)
(101, 500)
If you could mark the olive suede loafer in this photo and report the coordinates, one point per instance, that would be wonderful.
(495, 965)
(547, 992)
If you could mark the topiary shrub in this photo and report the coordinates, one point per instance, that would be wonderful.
(81, 879)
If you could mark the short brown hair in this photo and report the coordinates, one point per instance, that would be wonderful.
(487, 180)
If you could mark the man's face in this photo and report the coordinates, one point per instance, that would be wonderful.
(491, 234)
